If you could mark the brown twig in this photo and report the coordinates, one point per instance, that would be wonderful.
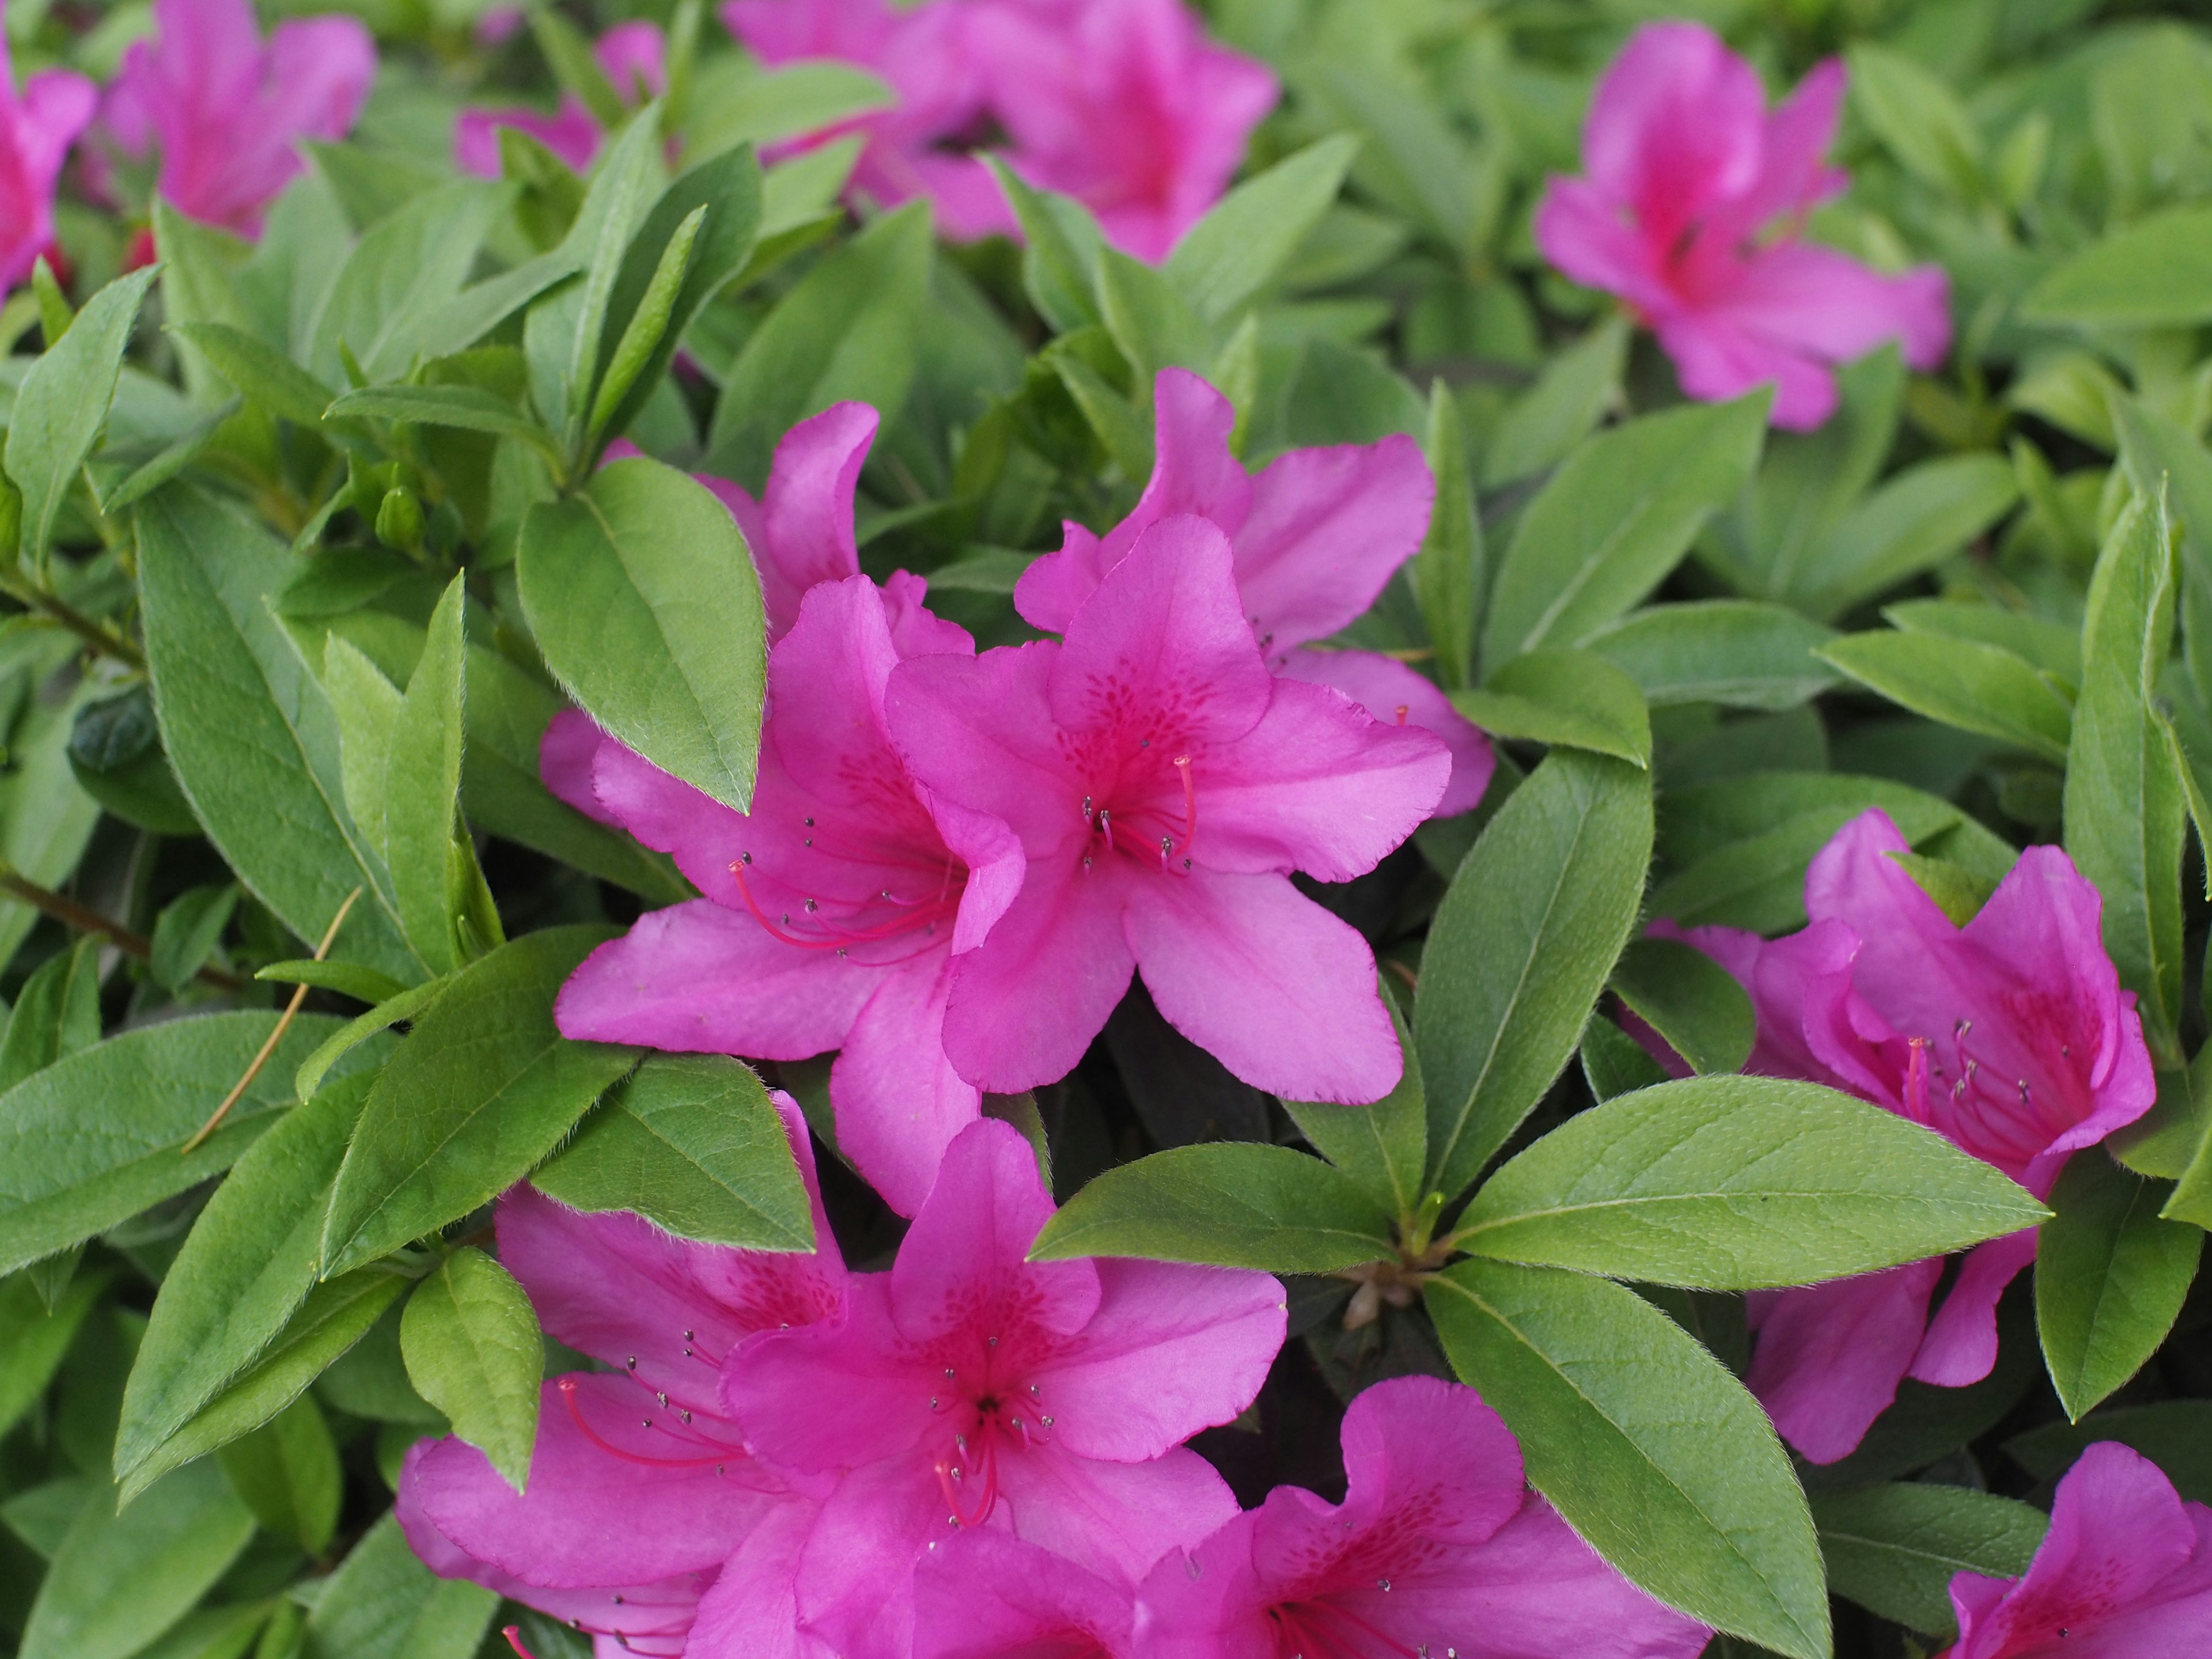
(97, 634)
(70, 913)
(283, 1024)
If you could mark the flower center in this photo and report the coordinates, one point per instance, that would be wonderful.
(1324, 1628)
(847, 925)
(1010, 1420)
(1146, 825)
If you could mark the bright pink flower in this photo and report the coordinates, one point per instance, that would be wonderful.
(1316, 535)
(36, 131)
(987, 1594)
(640, 1488)
(2009, 1036)
(2125, 1572)
(1688, 176)
(925, 54)
(1124, 105)
(228, 113)
(970, 1387)
(832, 911)
(635, 57)
(1438, 1548)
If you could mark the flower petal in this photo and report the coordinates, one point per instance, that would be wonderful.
(898, 1101)
(1829, 1357)
(1327, 530)
(1676, 127)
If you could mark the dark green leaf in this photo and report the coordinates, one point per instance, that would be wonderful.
(1690, 999)
(1743, 653)
(1963, 683)
(1571, 395)
(1895, 1548)
(1383, 1148)
(187, 931)
(287, 1472)
(33, 1337)
(1916, 519)
(2110, 1278)
(2174, 1434)
(466, 406)
(1615, 1063)
(383, 1603)
(1569, 698)
(262, 374)
(1449, 573)
(422, 793)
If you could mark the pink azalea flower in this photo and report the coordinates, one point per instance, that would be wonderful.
(987, 1593)
(1124, 105)
(2009, 1036)
(1315, 537)
(36, 131)
(640, 1487)
(1438, 1548)
(635, 57)
(2125, 1572)
(970, 1389)
(228, 113)
(1690, 210)
(832, 912)
(1164, 786)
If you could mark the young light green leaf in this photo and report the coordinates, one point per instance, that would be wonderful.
(1960, 682)
(692, 1143)
(1520, 949)
(400, 277)
(474, 1351)
(383, 1603)
(409, 1004)
(1895, 1548)
(64, 401)
(2110, 1278)
(1690, 999)
(2054, 649)
(1226, 258)
(1918, 117)
(367, 709)
(1449, 573)
(1228, 1203)
(1383, 1148)
(348, 979)
(1060, 258)
(1563, 697)
(481, 1091)
(644, 602)
(422, 788)
(1647, 1446)
(1739, 1183)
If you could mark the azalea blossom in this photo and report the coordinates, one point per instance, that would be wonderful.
(37, 127)
(970, 1389)
(2125, 1571)
(832, 910)
(633, 56)
(1438, 1548)
(1164, 786)
(987, 1593)
(2009, 1036)
(1316, 535)
(640, 1487)
(228, 112)
(1691, 208)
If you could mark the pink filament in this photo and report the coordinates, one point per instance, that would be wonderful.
(567, 1388)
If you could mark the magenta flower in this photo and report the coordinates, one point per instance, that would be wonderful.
(36, 131)
(1690, 210)
(832, 911)
(1438, 1548)
(985, 1594)
(635, 57)
(228, 113)
(1124, 105)
(2125, 1572)
(2009, 1036)
(971, 1389)
(1316, 535)
(640, 1488)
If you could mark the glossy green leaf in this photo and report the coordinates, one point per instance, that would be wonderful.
(1520, 949)
(1690, 999)
(1895, 1548)
(692, 1143)
(2110, 1278)
(1644, 1442)
(1739, 1183)
(1229, 1203)
(474, 1351)
(476, 1096)
(1563, 697)
(643, 599)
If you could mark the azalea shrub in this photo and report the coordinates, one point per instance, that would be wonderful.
(1105, 830)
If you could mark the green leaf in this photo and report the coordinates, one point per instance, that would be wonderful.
(1739, 1183)
(1958, 892)
(643, 600)
(576, 67)
(641, 338)
(347, 979)
(1449, 573)
(1061, 244)
(2160, 454)
(2054, 649)
(1124, 434)
(1383, 1148)
(1519, 949)
(2110, 1278)
(467, 407)
(422, 793)
(1962, 683)
(2123, 805)
(1644, 1443)
(1615, 1063)
(57, 1013)
(1690, 999)
(478, 1095)
(332, 1319)
(383, 1603)
(262, 374)
(692, 1143)
(1915, 520)
(1919, 118)
(287, 1472)
(407, 1004)
(251, 731)
(2155, 273)
(1569, 698)
(474, 1351)
(1575, 388)
(1149, 319)
(1229, 1203)
(187, 931)
(119, 1580)
(1615, 518)
(94, 1139)
(64, 401)
(33, 1337)
(2174, 1434)
(736, 103)
(1744, 652)
(846, 330)
(1225, 259)
(400, 277)
(250, 1260)
(1895, 1548)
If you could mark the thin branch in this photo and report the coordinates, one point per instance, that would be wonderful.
(97, 634)
(70, 913)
